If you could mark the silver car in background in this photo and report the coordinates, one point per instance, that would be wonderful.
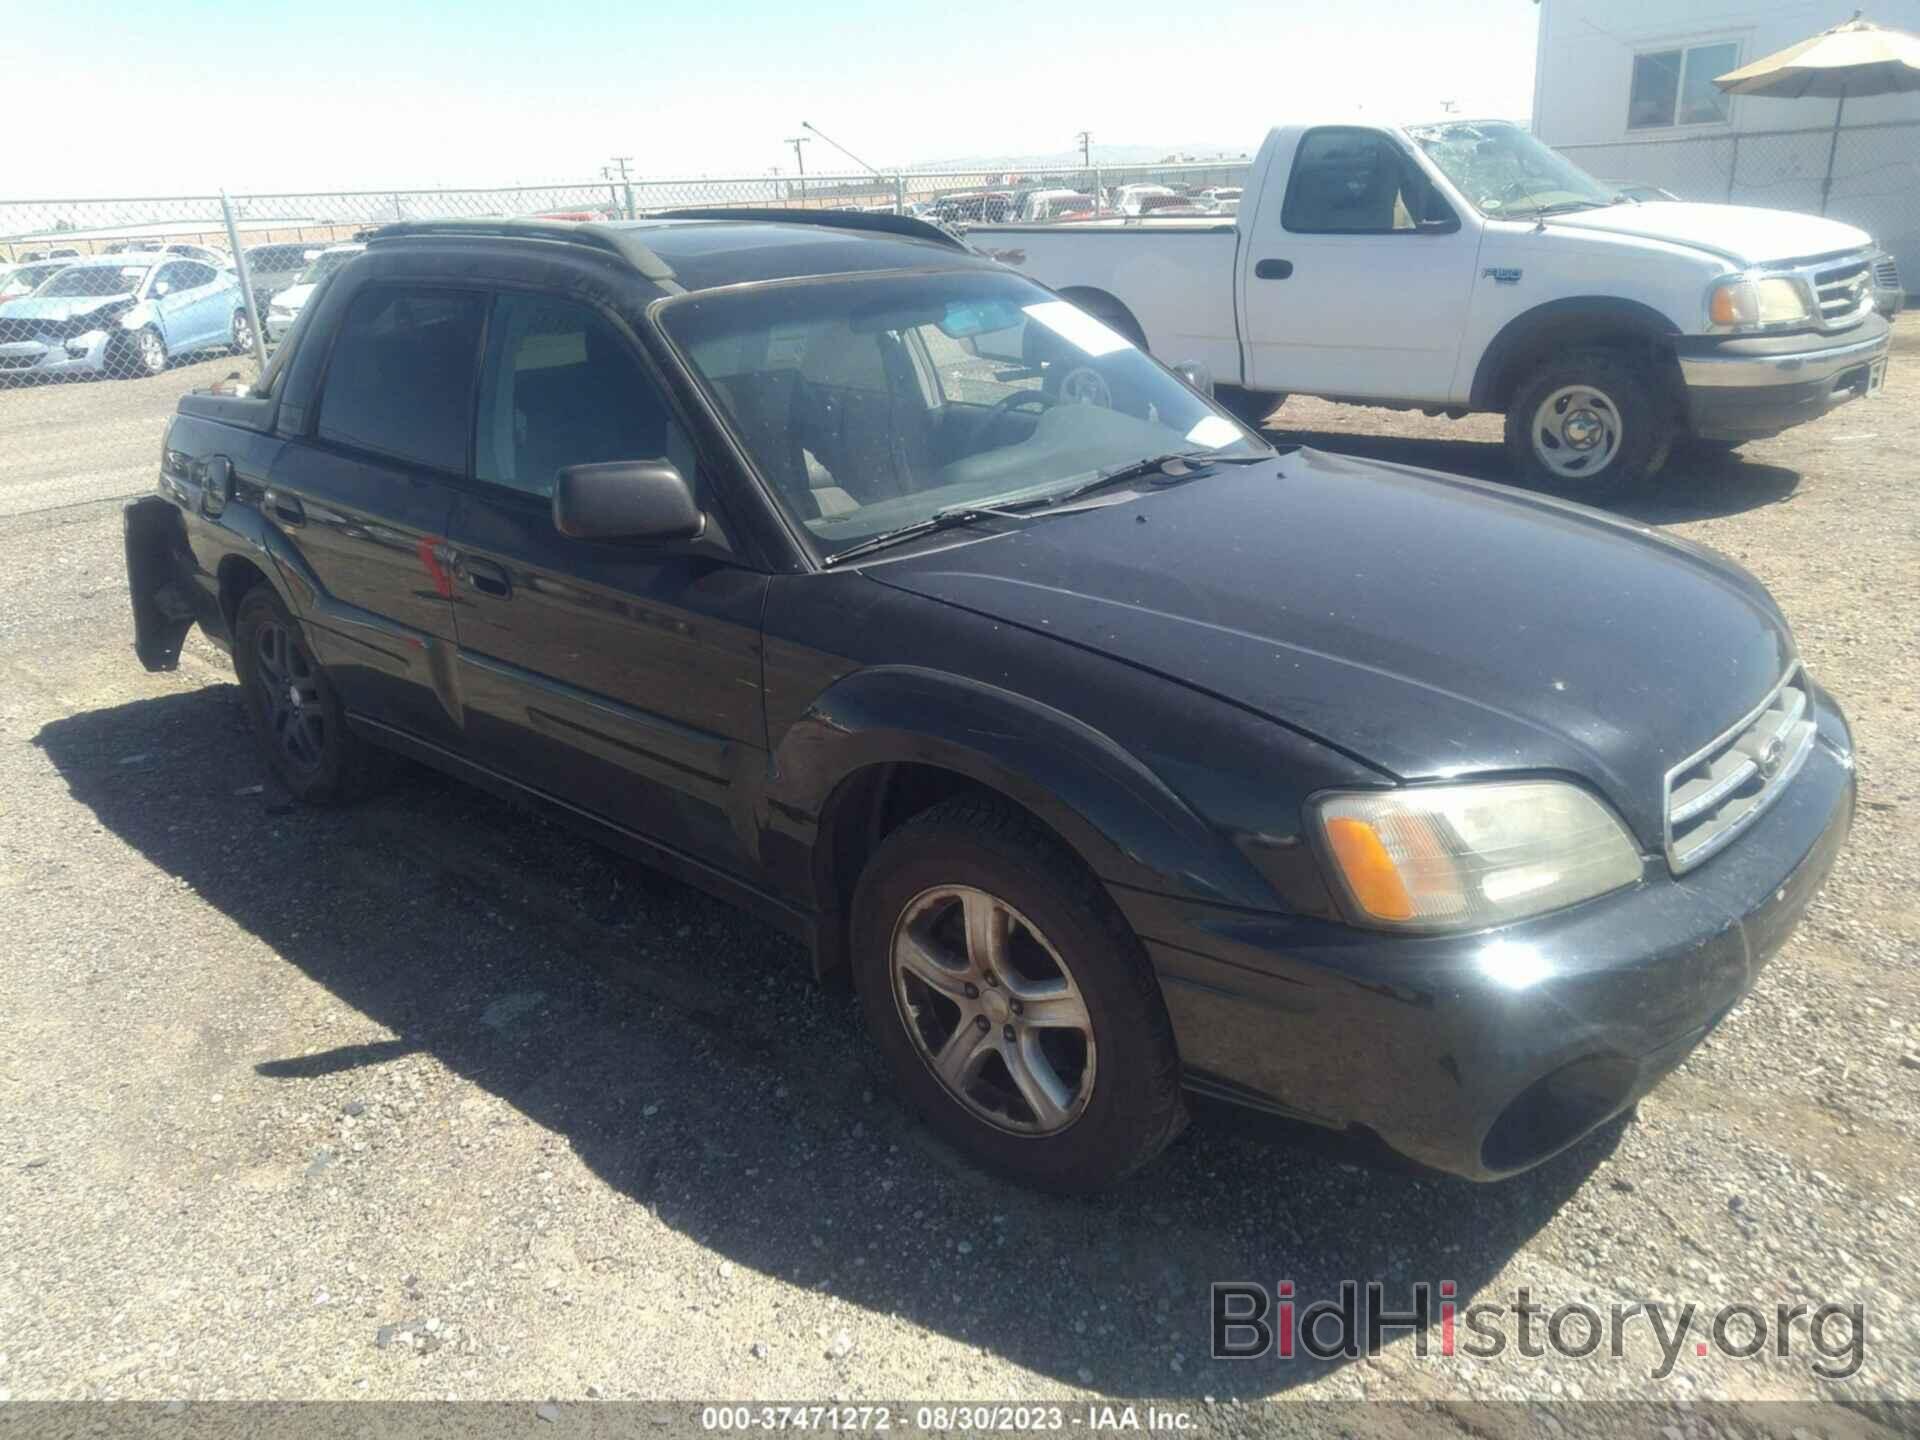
(285, 307)
(121, 315)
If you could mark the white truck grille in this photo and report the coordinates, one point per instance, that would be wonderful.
(1717, 793)
(1843, 289)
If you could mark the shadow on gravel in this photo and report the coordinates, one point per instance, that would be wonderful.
(1690, 488)
(682, 1052)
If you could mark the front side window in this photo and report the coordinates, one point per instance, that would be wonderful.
(191, 275)
(1675, 87)
(877, 402)
(561, 386)
(1356, 182)
(400, 378)
(1505, 173)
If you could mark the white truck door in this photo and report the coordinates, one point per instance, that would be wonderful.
(1357, 272)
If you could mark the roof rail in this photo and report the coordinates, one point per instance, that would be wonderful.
(902, 225)
(624, 243)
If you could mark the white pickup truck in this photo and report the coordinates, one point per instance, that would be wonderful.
(1464, 266)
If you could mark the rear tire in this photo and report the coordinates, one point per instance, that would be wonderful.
(1589, 425)
(1061, 1066)
(297, 715)
(242, 333)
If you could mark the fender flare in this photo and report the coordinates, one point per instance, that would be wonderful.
(1604, 317)
(1119, 817)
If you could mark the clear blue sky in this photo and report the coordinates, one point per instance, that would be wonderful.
(131, 97)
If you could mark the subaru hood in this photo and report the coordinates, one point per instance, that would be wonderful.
(293, 297)
(1744, 234)
(1428, 625)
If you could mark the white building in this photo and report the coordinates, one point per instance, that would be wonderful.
(1625, 88)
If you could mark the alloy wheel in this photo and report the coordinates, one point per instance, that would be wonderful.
(993, 1010)
(290, 683)
(153, 352)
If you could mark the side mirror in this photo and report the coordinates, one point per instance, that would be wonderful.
(161, 287)
(626, 500)
(1197, 375)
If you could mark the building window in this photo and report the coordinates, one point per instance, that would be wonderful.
(1675, 87)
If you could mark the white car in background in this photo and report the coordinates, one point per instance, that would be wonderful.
(1132, 197)
(284, 308)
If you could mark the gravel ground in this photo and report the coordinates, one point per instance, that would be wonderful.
(426, 1098)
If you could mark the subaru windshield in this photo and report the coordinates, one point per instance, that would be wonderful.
(1505, 173)
(876, 403)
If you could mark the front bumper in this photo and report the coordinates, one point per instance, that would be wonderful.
(1747, 387)
(278, 323)
(1484, 1054)
(47, 356)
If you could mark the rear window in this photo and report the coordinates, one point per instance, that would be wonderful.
(401, 377)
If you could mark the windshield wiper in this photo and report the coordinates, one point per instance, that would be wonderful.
(1027, 506)
(1566, 207)
(1135, 469)
(939, 520)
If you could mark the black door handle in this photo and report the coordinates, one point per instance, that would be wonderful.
(1273, 269)
(286, 508)
(486, 577)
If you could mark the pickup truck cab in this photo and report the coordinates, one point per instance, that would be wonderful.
(1464, 266)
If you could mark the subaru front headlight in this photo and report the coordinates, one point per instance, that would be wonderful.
(1469, 856)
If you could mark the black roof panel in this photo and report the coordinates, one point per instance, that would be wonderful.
(698, 254)
(706, 253)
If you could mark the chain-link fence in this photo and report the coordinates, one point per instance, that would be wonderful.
(131, 288)
(1875, 175)
(114, 289)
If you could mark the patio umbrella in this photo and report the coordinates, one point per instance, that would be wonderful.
(1857, 58)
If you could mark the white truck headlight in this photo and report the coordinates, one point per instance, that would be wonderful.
(1468, 856)
(1749, 302)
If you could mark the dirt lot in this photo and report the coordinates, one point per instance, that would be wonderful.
(425, 1098)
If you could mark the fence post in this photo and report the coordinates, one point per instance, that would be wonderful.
(1733, 167)
(246, 287)
(900, 194)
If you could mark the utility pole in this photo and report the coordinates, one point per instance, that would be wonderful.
(626, 183)
(799, 160)
(1085, 137)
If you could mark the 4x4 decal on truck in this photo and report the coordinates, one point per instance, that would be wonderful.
(1501, 275)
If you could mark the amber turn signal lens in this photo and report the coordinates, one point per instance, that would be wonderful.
(1369, 869)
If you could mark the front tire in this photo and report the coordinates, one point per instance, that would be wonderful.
(1016, 1009)
(1589, 425)
(150, 352)
(297, 715)
(1250, 407)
